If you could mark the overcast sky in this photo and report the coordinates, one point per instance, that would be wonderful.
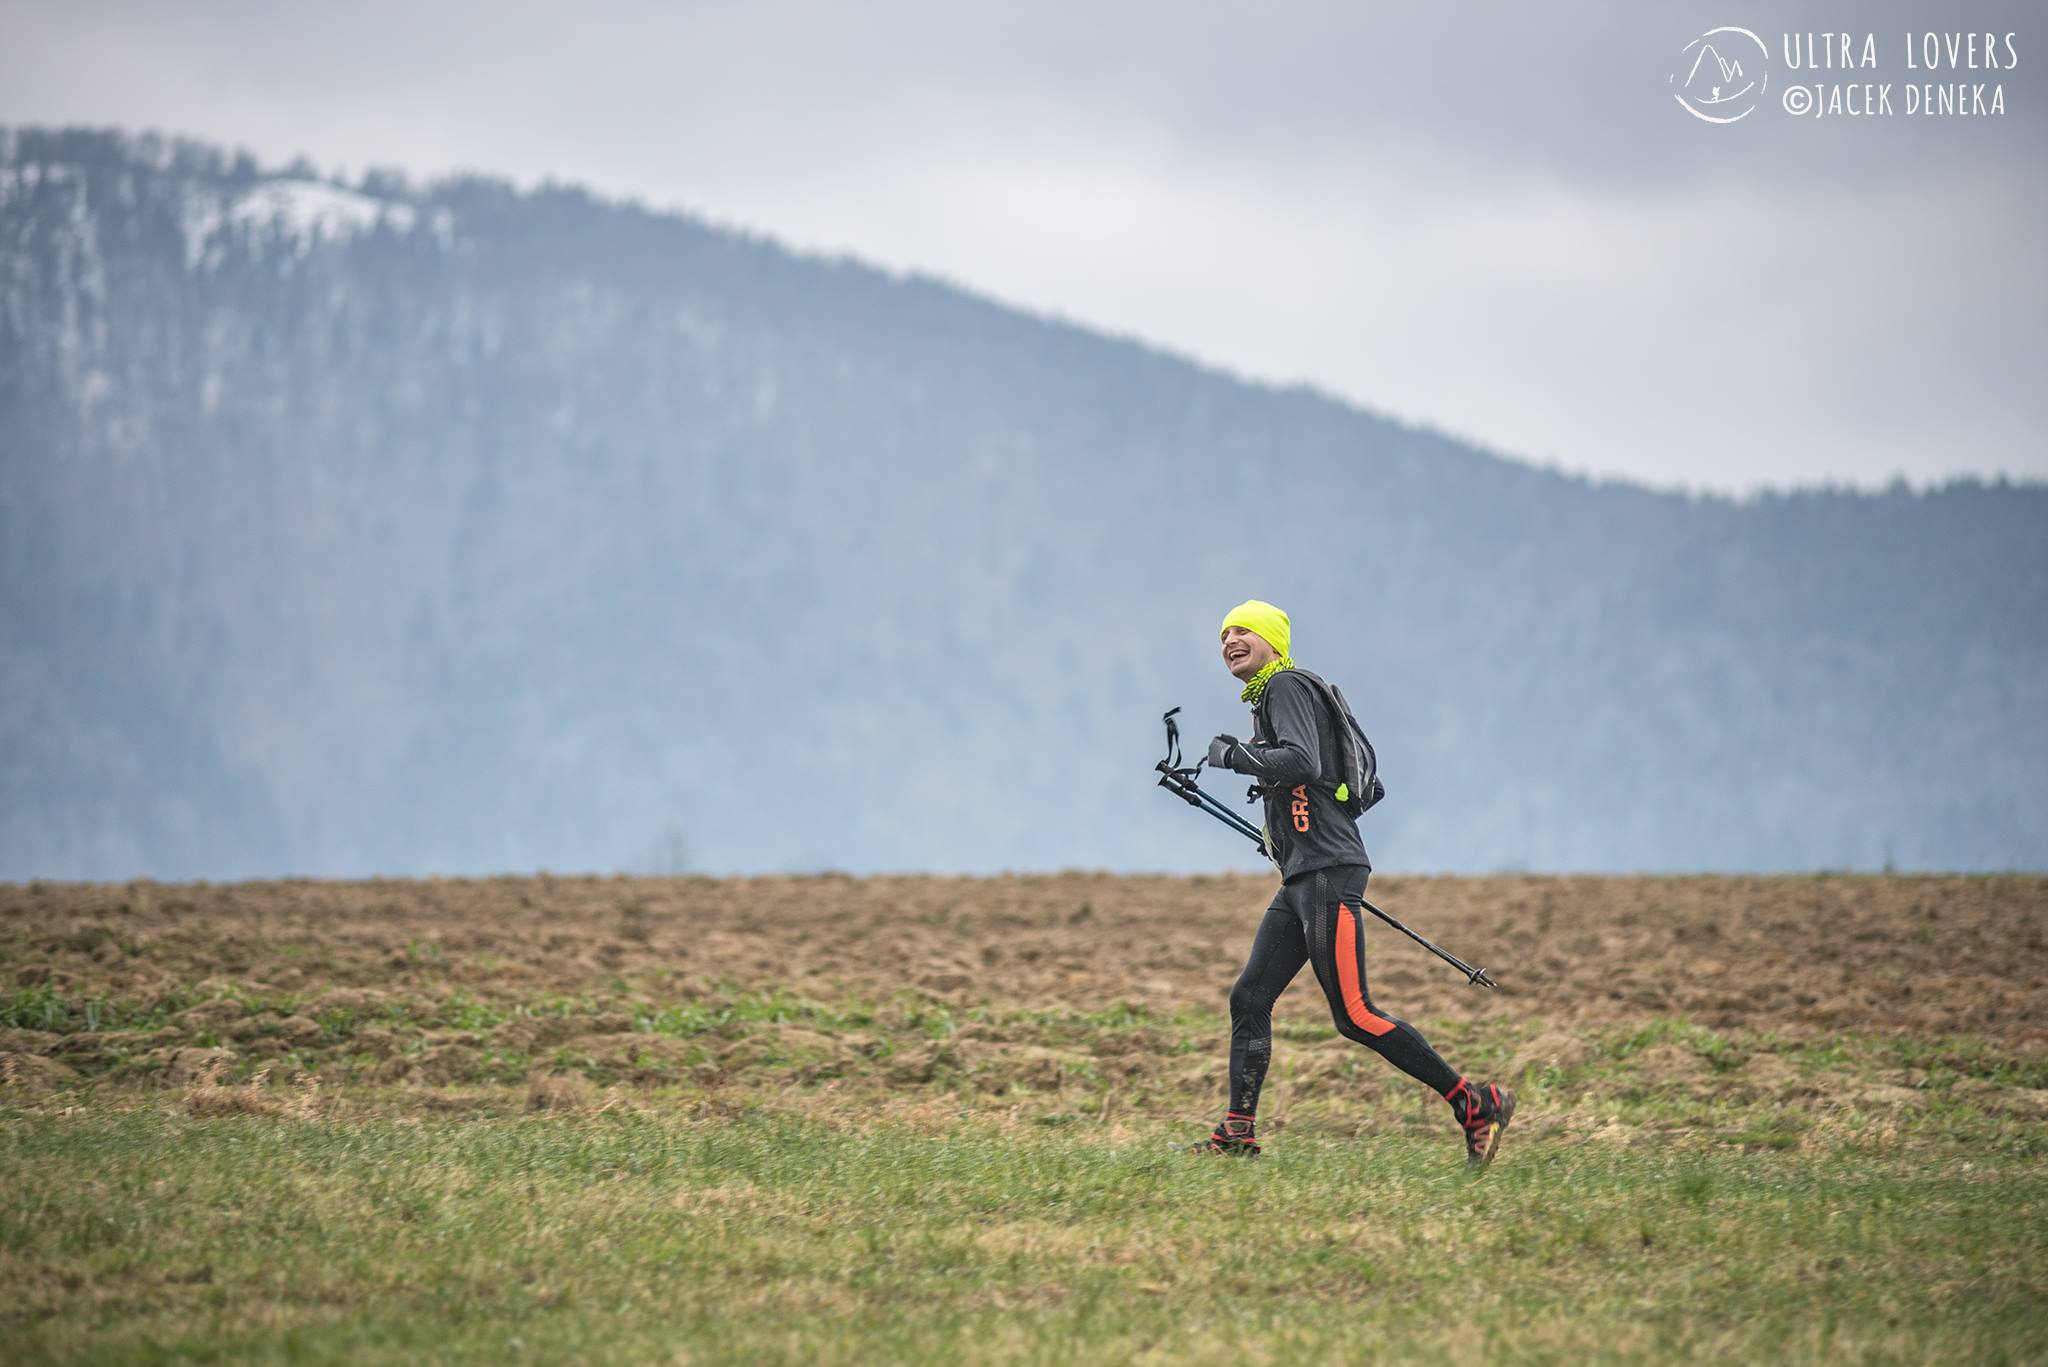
(1503, 225)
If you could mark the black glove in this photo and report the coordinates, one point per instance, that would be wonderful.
(1220, 751)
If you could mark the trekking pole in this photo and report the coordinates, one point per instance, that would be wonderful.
(1476, 976)
(1179, 780)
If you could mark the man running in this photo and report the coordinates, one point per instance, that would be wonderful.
(1315, 917)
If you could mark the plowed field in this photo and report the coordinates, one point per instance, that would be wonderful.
(713, 981)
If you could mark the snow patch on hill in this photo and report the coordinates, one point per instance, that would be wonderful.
(308, 211)
(304, 213)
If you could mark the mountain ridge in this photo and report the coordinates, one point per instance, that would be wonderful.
(417, 551)
(407, 191)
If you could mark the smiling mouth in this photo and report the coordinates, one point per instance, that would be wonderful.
(1238, 656)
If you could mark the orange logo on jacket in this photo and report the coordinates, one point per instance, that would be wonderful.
(1301, 807)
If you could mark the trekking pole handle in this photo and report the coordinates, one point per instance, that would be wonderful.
(1172, 760)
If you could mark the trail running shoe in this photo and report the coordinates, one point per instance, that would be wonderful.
(1484, 1110)
(1233, 1137)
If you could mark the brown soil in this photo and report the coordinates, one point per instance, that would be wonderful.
(1801, 958)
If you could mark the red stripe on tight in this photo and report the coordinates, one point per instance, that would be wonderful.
(1348, 953)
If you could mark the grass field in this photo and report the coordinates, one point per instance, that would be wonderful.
(923, 1119)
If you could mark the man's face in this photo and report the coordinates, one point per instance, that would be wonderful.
(1245, 652)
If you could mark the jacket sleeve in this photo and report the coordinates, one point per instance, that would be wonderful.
(1294, 756)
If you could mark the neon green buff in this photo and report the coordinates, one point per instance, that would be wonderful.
(1268, 623)
(1255, 686)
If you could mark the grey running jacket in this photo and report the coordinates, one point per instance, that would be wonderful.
(1305, 828)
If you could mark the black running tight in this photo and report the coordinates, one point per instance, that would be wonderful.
(1316, 919)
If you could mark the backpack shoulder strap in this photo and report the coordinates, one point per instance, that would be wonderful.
(1355, 755)
(1334, 713)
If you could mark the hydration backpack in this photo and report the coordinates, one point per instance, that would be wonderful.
(1354, 767)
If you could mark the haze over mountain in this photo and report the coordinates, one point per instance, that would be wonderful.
(395, 528)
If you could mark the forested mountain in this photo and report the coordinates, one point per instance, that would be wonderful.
(394, 528)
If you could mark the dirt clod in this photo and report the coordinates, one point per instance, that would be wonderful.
(184, 1066)
(558, 1091)
(32, 1074)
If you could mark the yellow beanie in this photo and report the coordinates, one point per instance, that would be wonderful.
(1262, 618)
